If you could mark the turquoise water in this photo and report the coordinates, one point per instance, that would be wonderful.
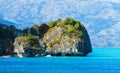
(100, 61)
(105, 52)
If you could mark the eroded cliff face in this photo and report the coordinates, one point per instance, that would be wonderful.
(7, 36)
(27, 46)
(66, 37)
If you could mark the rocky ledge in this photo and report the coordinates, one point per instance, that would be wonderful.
(66, 37)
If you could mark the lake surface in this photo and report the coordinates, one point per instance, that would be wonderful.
(99, 61)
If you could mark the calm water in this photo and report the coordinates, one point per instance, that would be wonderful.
(100, 61)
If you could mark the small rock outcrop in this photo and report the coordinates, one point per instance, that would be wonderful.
(27, 46)
(66, 37)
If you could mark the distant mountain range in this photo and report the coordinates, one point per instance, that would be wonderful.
(101, 18)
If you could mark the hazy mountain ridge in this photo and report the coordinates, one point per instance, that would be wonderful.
(98, 16)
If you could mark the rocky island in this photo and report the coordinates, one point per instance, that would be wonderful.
(66, 37)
